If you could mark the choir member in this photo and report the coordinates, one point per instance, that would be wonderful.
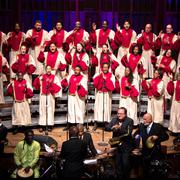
(104, 83)
(147, 39)
(173, 89)
(77, 35)
(80, 58)
(168, 66)
(35, 39)
(49, 85)
(24, 63)
(128, 89)
(123, 39)
(155, 90)
(134, 60)
(58, 35)
(2, 40)
(14, 41)
(54, 59)
(4, 70)
(77, 91)
(101, 36)
(166, 40)
(21, 90)
(105, 56)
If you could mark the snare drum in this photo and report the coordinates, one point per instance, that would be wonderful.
(22, 174)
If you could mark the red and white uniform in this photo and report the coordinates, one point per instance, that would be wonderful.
(57, 63)
(173, 89)
(128, 97)
(155, 90)
(104, 85)
(147, 41)
(36, 39)
(76, 97)
(21, 91)
(134, 62)
(165, 42)
(48, 85)
(59, 37)
(4, 69)
(170, 68)
(2, 40)
(14, 41)
(101, 58)
(25, 64)
(100, 37)
(81, 59)
(75, 37)
(122, 41)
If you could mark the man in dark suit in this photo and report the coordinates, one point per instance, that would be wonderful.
(3, 135)
(122, 125)
(151, 133)
(87, 139)
(73, 151)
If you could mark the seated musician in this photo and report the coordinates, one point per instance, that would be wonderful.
(122, 125)
(152, 135)
(73, 151)
(87, 138)
(26, 155)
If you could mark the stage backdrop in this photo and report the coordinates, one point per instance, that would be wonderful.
(139, 12)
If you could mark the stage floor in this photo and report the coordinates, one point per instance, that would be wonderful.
(60, 136)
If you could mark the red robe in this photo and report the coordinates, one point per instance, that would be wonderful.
(122, 38)
(76, 37)
(152, 90)
(19, 90)
(36, 38)
(146, 40)
(73, 85)
(166, 61)
(130, 91)
(21, 65)
(105, 58)
(48, 85)
(14, 41)
(166, 42)
(133, 63)
(58, 38)
(3, 69)
(104, 85)
(103, 37)
(171, 89)
(79, 61)
(51, 60)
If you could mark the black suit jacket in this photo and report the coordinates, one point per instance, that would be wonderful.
(73, 152)
(3, 133)
(87, 139)
(127, 125)
(158, 130)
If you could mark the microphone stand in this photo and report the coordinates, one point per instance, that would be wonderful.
(46, 131)
(102, 143)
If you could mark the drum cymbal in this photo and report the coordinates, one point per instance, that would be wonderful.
(150, 142)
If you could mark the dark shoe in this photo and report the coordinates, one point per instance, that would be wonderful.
(95, 126)
(41, 130)
(66, 128)
(50, 129)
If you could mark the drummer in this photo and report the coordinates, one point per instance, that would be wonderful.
(152, 135)
(26, 155)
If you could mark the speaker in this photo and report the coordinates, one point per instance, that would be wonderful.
(45, 140)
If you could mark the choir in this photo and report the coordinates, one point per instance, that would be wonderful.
(123, 61)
